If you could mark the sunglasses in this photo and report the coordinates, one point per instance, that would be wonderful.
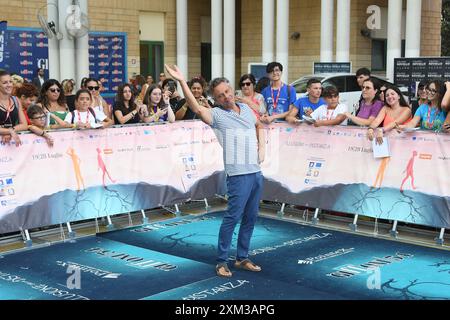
(96, 88)
(433, 91)
(43, 117)
(54, 90)
(246, 84)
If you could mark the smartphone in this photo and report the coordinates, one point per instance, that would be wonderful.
(172, 87)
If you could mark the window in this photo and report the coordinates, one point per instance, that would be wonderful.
(338, 82)
(352, 84)
(379, 52)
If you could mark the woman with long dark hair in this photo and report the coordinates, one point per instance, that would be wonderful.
(53, 101)
(395, 112)
(430, 116)
(125, 109)
(370, 104)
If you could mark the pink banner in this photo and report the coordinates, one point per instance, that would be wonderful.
(334, 168)
(91, 173)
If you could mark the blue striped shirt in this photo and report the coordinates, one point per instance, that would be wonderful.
(237, 136)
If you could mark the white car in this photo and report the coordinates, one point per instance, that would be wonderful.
(349, 91)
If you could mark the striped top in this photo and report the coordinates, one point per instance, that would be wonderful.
(237, 136)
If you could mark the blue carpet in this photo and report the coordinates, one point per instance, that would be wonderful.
(340, 264)
(112, 270)
(174, 260)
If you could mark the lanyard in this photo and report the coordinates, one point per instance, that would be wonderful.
(429, 122)
(329, 114)
(87, 116)
(275, 101)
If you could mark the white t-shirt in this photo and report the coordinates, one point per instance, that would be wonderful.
(86, 117)
(322, 113)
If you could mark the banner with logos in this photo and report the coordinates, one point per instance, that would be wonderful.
(107, 59)
(333, 168)
(27, 50)
(3, 44)
(94, 173)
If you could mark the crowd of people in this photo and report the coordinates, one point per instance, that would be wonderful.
(44, 105)
(381, 108)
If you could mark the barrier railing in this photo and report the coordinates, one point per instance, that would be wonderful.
(99, 173)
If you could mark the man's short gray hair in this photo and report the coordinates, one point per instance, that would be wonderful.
(215, 82)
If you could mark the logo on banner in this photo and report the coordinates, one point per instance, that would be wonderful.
(132, 261)
(326, 256)
(350, 270)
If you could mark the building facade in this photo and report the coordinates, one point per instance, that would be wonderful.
(209, 37)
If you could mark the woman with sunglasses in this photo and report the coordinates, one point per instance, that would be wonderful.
(12, 118)
(98, 103)
(370, 104)
(249, 96)
(158, 107)
(422, 96)
(197, 86)
(53, 101)
(430, 116)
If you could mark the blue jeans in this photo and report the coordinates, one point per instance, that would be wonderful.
(244, 193)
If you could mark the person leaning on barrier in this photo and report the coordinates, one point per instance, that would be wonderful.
(249, 96)
(52, 101)
(445, 105)
(306, 105)
(38, 120)
(446, 126)
(197, 86)
(279, 96)
(395, 112)
(332, 113)
(12, 118)
(98, 103)
(28, 95)
(157, 106)
(370, 106)
(125, 109)
(244, 180)
(429, 116)
(84, 116)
